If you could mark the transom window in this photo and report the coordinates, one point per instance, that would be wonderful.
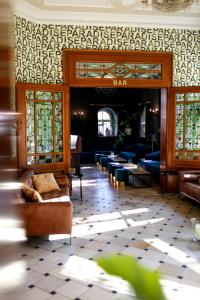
(110, 70)
(107, 122)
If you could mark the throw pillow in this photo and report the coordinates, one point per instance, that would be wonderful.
(45, 183)
(30, 194)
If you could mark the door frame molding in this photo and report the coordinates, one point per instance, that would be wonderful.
(71, 56)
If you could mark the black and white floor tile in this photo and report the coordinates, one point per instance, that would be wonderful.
(140, 222)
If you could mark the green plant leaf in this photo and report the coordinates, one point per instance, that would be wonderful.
(143, 281)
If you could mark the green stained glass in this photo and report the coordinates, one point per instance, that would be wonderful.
(187, 126)
(149, 67)
(29, 94)
(44, 127)
(192, 132)
(140, 75)
(45, 132)
(30, 127)
(179, 126)
(94, 65)
(58, 96)
(94, 74)
(108, 70)
(58, 127)
(179, 97)
(43, 95)
(193, 97)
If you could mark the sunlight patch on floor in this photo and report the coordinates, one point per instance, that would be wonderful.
(86, 183)
(107, 222)
(173, 252)
(85, 229)
(85, 270)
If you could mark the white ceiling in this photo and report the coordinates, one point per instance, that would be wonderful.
(104, 12)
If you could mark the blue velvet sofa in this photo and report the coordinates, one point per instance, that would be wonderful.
(151, 163)
(135, 151)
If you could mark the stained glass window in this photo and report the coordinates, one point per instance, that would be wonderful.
(44, 127)
(188, 126)
(118, 70)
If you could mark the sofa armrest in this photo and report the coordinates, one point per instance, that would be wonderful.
(188, 176)
(62, 180)
(45, 218)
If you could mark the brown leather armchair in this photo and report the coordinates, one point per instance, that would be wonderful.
(189, 184)
(51, 216)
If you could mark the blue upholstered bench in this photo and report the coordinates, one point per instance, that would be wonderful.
(110, 167)
(104, 160)
(127, 155)
(121, 176)
(151, 163)
(135, 152)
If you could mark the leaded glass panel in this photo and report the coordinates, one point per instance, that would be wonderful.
(43, 95)
(118, 70)
(94, 65)
(179, 126)
(149, 67)
(30, 127)
(143, 75)
(29, 95)
(179, 97)
(44, 129)
(193, 97)
(93, 74)
(58, 96)
(58, 127)
(187, 126)
(45, 133)
(31, 160)
(192, 132)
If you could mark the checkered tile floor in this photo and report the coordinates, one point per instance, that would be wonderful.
(136, 221)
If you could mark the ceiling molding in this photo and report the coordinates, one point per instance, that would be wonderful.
(78, 17)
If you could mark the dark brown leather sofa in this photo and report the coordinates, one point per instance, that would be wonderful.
(189, 184)
(51, 216)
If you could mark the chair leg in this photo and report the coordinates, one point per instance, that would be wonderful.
(70, 239)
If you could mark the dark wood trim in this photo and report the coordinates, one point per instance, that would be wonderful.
(163, 129)
(173, 163)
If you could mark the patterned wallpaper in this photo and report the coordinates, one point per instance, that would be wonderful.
(39, 48)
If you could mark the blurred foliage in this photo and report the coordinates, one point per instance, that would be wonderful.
(144, 282)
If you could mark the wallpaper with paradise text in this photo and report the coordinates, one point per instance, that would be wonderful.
(39, 48)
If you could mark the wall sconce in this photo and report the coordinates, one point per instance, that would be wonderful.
(154, 110)
(78, 114)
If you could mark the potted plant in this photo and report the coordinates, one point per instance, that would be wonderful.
(125, 129)
(128, 123)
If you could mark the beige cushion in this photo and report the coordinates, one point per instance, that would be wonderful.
(45, 183)
(30, 194)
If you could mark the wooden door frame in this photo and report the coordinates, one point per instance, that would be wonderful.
(70, 56)
(22, 138)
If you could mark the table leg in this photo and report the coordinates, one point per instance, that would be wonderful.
(81, 194)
